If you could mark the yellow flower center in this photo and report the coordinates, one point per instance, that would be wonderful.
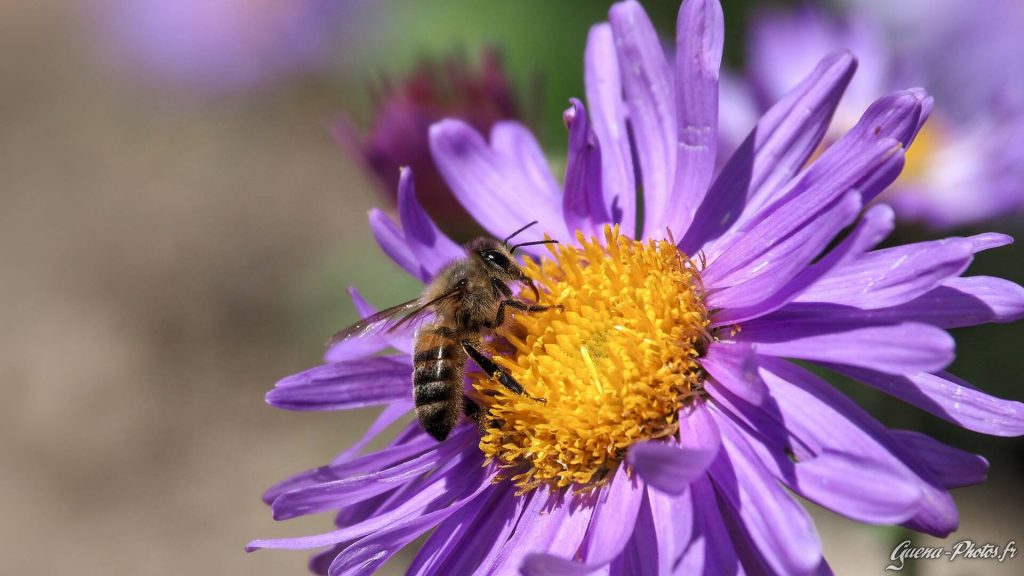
(611, 368)
(921, 153)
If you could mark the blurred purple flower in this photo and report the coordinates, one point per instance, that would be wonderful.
(968, 165)
(405, 110)
(676, 423)
(223, 45)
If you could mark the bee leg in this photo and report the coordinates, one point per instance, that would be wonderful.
(491, 367)
(499, 318)
(471, 409)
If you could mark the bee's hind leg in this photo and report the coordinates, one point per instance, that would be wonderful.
(491, 367)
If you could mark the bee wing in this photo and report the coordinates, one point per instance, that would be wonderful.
(391, 318)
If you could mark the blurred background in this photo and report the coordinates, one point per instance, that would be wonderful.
(184, 194)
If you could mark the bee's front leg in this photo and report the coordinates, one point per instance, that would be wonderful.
(491, 367)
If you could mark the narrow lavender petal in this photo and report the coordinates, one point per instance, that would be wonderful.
(431, 493)
(516, 142)
(668, 467)
(491, 186)
(821, 447)
(461, 542)
(938, 515)
(369, 553)
(700, 32)
(337, 494)
(876, 224)
(777, 148)
(341, 386)
(891, 276)
(777, 525)
(650, 103)
(952, 467)
(544, 517)
(772, 265)
(852, 163)
(949, 398)
(895, 349)
(338, 470)
(608, 116)
(989, 240)
(583, 201)
(431, 247)
(808, 195)
(734, 366)
(673, 516)
(392, 242)
(641, 555)
(958, 302)
(711, 550)
(614, 518)
(392, 413)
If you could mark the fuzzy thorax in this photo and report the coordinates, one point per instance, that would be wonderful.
(613, 367)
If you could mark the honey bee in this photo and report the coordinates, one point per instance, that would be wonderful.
(467, 297)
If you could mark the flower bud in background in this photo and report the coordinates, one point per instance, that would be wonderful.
(397, 134)
(968, 164)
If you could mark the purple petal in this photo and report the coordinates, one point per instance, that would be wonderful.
(392, 413)
(711, 549)
(543, 517)
(892, 276)
(582, 203)
(516, 142)
(877, 223)
(786, 250)
(611, 528)
(989, 240)
(431, 493)
(775, 151)
(392, 242)
(669, 466)
(734, 366)
(952, 467)
(344, 469)
(426, 241)
(700, 31)
(650, 103)
(896, 349)
(345, 385)
(948, 398)
(492, 186)
(641, 555)
(369, 553)
(614, 518)
(776, 524)
(673, 516)
(958, 302)
(821, 445)
(461, 542)
(608, 115)
(338, 494)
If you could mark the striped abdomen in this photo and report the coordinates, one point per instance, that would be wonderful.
(438, 364)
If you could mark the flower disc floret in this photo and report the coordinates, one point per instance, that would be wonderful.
(611, 368)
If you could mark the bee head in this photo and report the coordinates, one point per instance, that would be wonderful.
(498, 259)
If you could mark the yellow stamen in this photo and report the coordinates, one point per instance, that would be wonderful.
(613, 367)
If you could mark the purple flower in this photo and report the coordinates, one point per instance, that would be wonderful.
(405, 110)
(968, 164)
(676, 422)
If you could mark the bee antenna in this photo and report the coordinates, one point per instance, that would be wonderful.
(513, 235)
(513, 249)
